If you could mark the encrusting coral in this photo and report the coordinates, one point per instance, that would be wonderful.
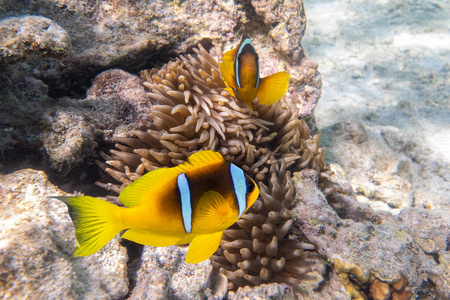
(192, 112)
(353, 278)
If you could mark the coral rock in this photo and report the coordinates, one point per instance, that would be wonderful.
(163, 274)
(290, 20)
(369, 248)
(36, 243)
(119, 84)
(21, 36)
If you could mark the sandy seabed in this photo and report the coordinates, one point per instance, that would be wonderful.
(385, 65)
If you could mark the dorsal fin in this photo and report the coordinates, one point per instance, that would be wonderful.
(201, 159)
(149, 185)
(226, 68)
(229, 55)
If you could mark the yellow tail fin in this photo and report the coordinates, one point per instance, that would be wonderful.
(272, 88)
(96, 222)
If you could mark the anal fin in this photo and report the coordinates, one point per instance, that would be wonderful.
(149, 238)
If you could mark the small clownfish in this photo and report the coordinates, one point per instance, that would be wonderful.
(240, 71)
(193, 202)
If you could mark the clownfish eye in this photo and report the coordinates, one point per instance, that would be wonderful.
(249, 185)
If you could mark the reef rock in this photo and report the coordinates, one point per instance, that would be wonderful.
(163, 274)
(26, 35)
(36, 243)
(288, 22)
(24, 40)
(23, 99)
(74, 128)
(430, 229)
(402, 251)
(122, 34)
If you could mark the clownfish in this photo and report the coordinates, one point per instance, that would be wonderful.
(193, 202)
(240, 72)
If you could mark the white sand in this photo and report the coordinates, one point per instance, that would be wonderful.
(386, 65)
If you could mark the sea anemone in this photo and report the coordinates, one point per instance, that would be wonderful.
(256, 249)
(191, 112)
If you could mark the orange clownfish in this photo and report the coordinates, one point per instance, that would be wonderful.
(240, 71)
(193, 202)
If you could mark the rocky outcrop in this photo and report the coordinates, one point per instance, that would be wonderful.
(36, 243)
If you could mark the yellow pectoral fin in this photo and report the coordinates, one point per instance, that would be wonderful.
(149, 238)
(213, 211)
(272, 88)
(203, 246)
